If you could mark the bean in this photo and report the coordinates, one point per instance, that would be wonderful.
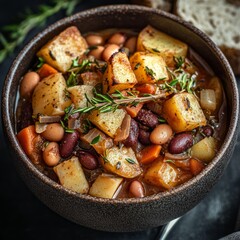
(88, 160)
(180, 143)
(117, 38)
(51, 155)
(131, 44)
(207, 131)
(97, 52)
(132, 138)
(54, 132)
(94, 40)
(28, 83)
(109, 51)
(161, 134)
(68, 143)
(136, 189)
(147, 118)
(144, 137)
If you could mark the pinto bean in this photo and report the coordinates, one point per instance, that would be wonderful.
(161, 134)
(180, 143)
(68, 143)
(54, 132)
(51, 154)
(109, 51)
(94, 40)
(131, 44)
(88, 160)
(132, 138)
(117, 38)
(28, 83)
(143, 137)
(136, 189)
(97, 52)
(147, 118)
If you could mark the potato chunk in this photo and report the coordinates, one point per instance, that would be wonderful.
(162, 174)
(205, 149)
(62, 49)
(183, 112)
(119, 74)
(108, 122)
(49, 97)
(155, 41)
(105, 186)
(121, 161)
(148, 67)
(78, 95)
(71, 175)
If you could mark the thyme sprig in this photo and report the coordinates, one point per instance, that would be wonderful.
(18, 32)
(109, 103)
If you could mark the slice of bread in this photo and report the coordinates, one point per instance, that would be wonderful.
(220, 20)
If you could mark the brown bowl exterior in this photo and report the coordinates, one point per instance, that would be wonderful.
(127, 214)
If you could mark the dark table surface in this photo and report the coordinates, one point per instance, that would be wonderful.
(23, 216)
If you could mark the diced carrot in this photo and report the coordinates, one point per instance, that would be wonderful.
(133, 110)
(30, 142)
(46, 70)
(146, 88)
(196, 166)
(149, 153)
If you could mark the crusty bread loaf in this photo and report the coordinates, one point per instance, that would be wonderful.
(219, 19)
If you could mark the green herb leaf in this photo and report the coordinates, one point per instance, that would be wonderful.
(95, 140)
(150, 72)
(41, 61)
(129, 160)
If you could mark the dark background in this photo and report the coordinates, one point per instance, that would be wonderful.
(23, 216)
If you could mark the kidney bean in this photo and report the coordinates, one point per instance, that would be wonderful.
(28, 83)
(132, 138)
(51, 154)
(143, 137)
(68, 143)
(180, 143)
(136, 189)
(207, 131)
(117, 38)
(147, 118)
(88, 160)
(54, 132)
(94, 40)
(161, 134)
(109, 51)
(97, 53)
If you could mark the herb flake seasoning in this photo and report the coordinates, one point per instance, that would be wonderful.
(95, 140)
(129, 160)
(150, 72)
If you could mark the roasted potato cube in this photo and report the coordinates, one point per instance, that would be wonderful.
(183, 112)
(91, 78)
(119, 74)
(71, 175)
(154, 41)
(49, 96)
(148, 67)
(121, 161)
(105, 186)
(108, 122)
(205, 149)
(62, 49)
(78, 97)
(162, 174)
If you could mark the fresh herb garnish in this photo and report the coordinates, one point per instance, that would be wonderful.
(137, 66)
(129, 160)
(95, 140)
(155, 50)
(179, 61)
(118, 165)
(18, 32)
(66, 129)
(150, 72)
(41, 61)
(161, 120)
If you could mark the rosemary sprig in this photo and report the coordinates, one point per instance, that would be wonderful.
(106, 103)
(18, 32)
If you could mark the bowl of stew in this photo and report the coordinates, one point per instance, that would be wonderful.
(120, 118)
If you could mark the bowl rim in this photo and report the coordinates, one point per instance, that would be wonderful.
(117, 8)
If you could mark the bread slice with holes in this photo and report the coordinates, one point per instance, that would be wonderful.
(220, 20)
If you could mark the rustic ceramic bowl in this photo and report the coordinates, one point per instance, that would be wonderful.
(126, 214)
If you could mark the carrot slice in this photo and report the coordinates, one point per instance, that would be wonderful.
(196, 166)
(149, 153)
(133, 110)
(46, 70)
(30, 142)
(146, 88)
